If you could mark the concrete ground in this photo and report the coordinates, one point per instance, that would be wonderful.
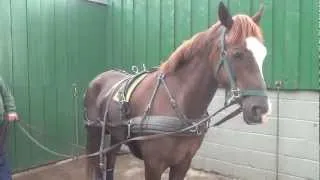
(127, 167)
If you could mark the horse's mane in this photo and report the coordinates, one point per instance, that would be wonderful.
(243, 27)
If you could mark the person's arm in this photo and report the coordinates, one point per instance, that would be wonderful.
(8, 102)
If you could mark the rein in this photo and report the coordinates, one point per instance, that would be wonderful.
(155, 136)
(139, 138)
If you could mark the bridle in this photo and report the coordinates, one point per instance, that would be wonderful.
(234, 93)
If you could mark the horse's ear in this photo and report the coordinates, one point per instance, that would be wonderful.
(257, 17)
(224, 16)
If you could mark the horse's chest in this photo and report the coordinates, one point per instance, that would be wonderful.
(173, 150)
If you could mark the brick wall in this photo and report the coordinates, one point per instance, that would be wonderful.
(249, 152)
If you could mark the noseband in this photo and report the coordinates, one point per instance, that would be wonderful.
(233, 93)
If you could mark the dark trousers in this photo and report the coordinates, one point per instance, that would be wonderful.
(5, 170)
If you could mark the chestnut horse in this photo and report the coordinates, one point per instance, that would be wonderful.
(229, 54)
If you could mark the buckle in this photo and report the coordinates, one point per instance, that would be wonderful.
(122, 97)
(129, 129)
(94, 123)
(195, 130)
(235, 93)
(208, 124)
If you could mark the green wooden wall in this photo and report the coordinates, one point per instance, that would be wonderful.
(147, 31)
(46, 47)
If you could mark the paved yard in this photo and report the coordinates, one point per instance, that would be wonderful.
(127, 167)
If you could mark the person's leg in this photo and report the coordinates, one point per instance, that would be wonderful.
(5, 172)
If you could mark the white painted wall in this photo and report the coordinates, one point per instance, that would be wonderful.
(249, 152)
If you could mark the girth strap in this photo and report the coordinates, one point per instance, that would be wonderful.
(159, 124)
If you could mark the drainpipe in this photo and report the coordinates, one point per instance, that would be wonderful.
(278, 86)
(76, 115)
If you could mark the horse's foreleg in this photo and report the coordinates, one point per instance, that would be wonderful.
(153, 169)
(152, 173)
(179, 171)
(111, 160)
(92, 146)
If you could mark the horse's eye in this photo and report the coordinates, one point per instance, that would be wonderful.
(237, 55)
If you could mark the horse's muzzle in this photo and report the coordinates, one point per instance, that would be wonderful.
(255, 109)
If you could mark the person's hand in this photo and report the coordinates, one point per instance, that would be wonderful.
(12, 116)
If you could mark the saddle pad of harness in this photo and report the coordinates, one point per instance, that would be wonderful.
(125, 91)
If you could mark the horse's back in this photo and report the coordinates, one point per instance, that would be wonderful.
(97, 90)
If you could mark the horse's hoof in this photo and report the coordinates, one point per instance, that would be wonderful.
(97, 177)
(109, 174)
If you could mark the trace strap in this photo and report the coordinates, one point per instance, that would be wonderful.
(139, 138)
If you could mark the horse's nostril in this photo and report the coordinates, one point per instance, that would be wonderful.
(256, 111)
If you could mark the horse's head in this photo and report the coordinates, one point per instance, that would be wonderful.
(238, 68)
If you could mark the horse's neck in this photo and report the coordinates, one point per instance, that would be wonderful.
(195, 87)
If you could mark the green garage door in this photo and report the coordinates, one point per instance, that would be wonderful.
(147, 31)
(46, 47)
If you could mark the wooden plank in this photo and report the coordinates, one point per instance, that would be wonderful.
(36, 77)
(200, 15)
(140, 33)
(167, 29)
(153, 35)
(292, 37)
(182, 21)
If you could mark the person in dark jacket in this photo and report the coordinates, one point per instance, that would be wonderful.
(7, 114)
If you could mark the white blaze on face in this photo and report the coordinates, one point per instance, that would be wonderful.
(258, 50)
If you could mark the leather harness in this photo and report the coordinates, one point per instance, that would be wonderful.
(149, 127)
